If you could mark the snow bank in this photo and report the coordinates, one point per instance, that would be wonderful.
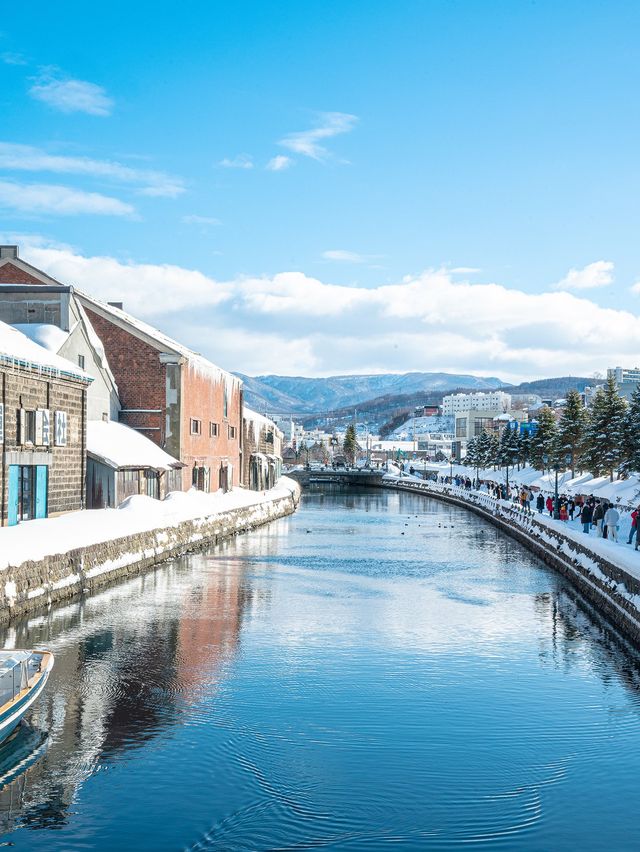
(35, 540)
(120, 446)
(49, 336)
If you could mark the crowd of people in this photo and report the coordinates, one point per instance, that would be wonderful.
(592, 512)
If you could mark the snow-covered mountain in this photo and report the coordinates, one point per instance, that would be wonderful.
(301, 395)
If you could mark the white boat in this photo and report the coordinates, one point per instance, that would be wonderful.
(23, 675)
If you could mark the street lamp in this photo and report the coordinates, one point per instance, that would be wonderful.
(556, 467)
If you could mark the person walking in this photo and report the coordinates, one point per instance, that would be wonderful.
(634, 526)
(611, 519)
(586, 516)
(598, 515)
(540, 503)
(549, 505)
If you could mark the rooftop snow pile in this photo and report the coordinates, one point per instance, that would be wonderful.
(16, 349)
(120, 446)
(49, 336)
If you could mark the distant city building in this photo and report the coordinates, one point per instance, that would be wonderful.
(626, 378)
(490, 401)
(471, 424)
(261, 451)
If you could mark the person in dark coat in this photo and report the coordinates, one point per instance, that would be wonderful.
(598, 517)
(586, 517)
(540, 502)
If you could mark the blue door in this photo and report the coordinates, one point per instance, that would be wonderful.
(14, 493)
(41, 491)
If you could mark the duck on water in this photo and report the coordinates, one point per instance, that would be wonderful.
(23, 676)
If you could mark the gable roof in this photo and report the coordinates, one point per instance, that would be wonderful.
(14, 270)
(156, 338)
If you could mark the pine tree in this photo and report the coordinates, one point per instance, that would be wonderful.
(471, 458)
(632, 434)
(509, 446)
(571, 430)
(350, 444)
(607, 430)
(486, 449)
(525, 449)
(543, 442)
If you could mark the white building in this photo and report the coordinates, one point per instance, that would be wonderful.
(622, 375)
(489, 401)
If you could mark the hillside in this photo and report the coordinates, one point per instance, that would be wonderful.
(299, 395)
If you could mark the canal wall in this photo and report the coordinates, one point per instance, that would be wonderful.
(612, 588)
(37, 583)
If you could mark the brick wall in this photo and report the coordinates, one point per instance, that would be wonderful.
(140, 376)
(10, 274)
(202, 397)
(24, 389)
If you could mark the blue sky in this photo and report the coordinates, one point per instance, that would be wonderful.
(306, 174)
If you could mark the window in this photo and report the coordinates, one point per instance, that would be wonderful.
(461, 427)
(214, 430)
(480, 424)
(81, 361)
(196, 427)
(232, 431)
(225, 403)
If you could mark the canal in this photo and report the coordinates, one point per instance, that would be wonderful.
(379, 669)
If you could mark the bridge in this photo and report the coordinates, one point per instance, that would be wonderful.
(341, 476)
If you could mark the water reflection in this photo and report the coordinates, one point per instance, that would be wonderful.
(378, 668)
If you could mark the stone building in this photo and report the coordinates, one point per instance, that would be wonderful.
(47, 312)
(262, 451)
(174, 396)
(43, 413)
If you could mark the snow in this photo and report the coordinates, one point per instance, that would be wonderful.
(259, 421)
(120, 446)
(49, 336)
(423, 425)
(197, 362)
(34, 540)
(18, 350)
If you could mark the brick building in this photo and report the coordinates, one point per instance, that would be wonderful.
(174, 396)
(43, 408)
(262, 451)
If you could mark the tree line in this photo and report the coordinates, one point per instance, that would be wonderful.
(603, 439)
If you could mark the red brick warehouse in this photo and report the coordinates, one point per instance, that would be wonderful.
(174, 396)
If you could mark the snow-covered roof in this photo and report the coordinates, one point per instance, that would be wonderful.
(119, 446)
(49, 336)
(259, 420)
(161, 341)
(16, 349)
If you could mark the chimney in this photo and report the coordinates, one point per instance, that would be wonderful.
(8, 251)
(118, 305)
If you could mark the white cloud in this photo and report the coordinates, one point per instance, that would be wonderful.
(241, 161)
(39, 198)
(194, 219)
(279, 163)
(308, 142)
(69, 95)
(598, 274)
(427, 322)
(348, 256)
(15, 157)
(13, 59)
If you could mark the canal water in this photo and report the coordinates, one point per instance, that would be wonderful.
(378, 670)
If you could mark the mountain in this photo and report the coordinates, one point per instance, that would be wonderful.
(300, 395)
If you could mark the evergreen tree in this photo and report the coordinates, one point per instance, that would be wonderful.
(509, 446)
(543, 442)
(486, 450)
(525, 449)
(350, 444)
(632, 434)
(607, 431)
(571, 430)
(472, 457)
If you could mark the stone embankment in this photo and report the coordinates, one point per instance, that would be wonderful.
(37, 583)
(614, 589)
